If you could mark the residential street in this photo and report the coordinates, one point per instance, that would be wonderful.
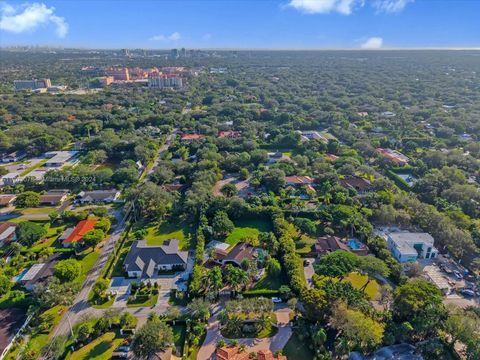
(80, 307)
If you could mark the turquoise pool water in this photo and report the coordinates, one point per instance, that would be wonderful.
(354, 244)
(19, 276)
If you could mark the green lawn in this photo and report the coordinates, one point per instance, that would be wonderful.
(37, 340)
(179, 332)
(156, 235)
(268, 282)
(52, 234)
(87, 262)
(31, 168)
(118, 269)
(304, 246)
(269, 331)
(247, 228)
(101, 348)
(297, 348)
(103, 303)
(358, 281)
(143, 301)
(37, 211)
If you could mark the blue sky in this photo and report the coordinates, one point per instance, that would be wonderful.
(298, 24)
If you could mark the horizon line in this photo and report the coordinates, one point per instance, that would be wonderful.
(242, 49)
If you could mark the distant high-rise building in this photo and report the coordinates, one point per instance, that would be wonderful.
(174, 53)
(126, 52)
(32, 84)
(162, 81)
(183, 52)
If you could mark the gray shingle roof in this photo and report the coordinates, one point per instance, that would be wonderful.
(142, 257)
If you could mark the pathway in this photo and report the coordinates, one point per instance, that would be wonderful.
(274, 343)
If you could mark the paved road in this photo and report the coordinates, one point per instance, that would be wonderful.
(80, 307)
(274, 343)
(80, 304)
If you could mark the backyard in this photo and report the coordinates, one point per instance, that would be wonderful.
(156, 234)
(358, 281)
(245, 228)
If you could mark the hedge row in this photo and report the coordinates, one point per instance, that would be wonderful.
(292, 262)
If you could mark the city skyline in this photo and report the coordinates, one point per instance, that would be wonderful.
(292, 24)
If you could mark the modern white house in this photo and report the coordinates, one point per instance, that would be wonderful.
(408, 247)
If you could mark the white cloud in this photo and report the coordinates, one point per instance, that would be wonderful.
(29, 17)
(372, 43)
(391, 6)
(175, 36)
(206, 37)
(344, 7)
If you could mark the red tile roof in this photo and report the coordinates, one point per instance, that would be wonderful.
(79, 231)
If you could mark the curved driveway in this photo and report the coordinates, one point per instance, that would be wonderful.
(274, 343)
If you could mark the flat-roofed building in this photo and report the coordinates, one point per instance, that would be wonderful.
(408, 247)
(60, 158)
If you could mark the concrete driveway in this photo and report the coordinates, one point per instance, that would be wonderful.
(309, 271)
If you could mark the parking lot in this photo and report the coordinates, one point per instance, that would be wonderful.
(448, 276)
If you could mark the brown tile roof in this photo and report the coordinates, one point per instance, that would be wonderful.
(355, 182)
(329, 243)
(7, 199)
(240, 252)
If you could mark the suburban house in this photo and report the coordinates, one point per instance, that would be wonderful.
(53, 197)
(7, 233)
(76, 235)
(7, 199)
(11, 178)
(142, 261)
(14, 156)
(277, 157)
(240, 252)
(191, 137)
(39, 273)
(105, 196)
(394, 156)
(298, 180)
(360, 185)
(60, 158)
(408, 247)
(309, 135)
(328, 243)
(234, 353)
(229, 134)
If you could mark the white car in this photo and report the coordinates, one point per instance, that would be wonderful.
(276, 300)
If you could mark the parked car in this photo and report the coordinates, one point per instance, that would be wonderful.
(467, 292)
(123, 348)
(457, 274)
(120, 355)
(276, 300)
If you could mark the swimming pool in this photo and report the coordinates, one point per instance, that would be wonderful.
(19, 277)
(354, 244)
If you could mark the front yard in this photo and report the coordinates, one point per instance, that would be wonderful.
(142, 296)
(99, 349)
